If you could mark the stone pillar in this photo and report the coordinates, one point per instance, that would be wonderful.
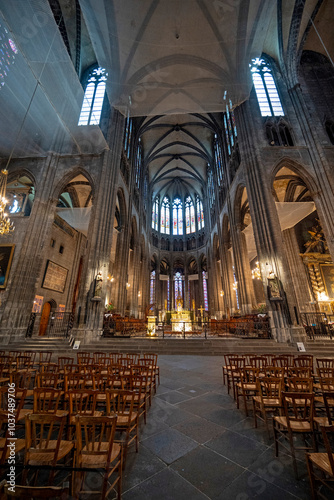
(298, 272)
(242, 270)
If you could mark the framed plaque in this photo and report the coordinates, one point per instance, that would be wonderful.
(6, 257)
(55, 277)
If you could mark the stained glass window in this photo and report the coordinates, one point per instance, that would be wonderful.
(165, 216)
(152, 288)
(168, 295)
(205, 291)
(93, 98)
(218, 160)
(190, 216)
(8, 50)
(265, 88)
(200, 213)
(155, 213)
(178, 286)
(177, 217)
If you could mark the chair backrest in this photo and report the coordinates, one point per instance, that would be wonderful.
(43, 436)
(44, 357)
(325, 363)
(77, 381)
(236, 363)
(64, 360)
(300, 371)
(121, 402)
(298, 407)
(325, 372)
(100, 356)
(23, 362)
(249, 375)
(282, 361)
(270, 387)
(258, 361)
(274, 371)
(329, 405)
(300, 384)
(85, 358)
(46, 400)
(49, 379)
(81, 401)
(92, 434)
(304, 360)
(23, 379)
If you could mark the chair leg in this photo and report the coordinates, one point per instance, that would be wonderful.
(254, 413)
(311, 477)
(292, 448)
(275, 437)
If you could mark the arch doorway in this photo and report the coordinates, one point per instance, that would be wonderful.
(45, 315)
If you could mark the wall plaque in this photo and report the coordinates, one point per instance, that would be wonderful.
(55, 277)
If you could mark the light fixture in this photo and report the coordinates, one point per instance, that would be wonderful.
(256, 272)
(221, 293)
(139, 294)
(235, 286)
(6, 226)
(128, 285)
(112, 279)
(322, 297)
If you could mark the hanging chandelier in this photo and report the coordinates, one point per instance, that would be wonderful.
(6, 226)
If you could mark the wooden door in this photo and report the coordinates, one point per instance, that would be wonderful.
(44, 318)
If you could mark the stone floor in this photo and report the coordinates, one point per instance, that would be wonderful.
(196, 445)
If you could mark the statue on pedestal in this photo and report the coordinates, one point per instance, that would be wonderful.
(98, 287)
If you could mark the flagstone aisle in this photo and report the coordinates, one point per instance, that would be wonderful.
(196, 445)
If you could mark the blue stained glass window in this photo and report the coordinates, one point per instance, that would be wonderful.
(205, 291)
(152, 288)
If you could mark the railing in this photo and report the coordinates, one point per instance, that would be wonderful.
(254, 326)
(58, 325)
(318, 325)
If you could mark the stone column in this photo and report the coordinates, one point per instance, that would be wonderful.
(298, 272)
(242, 270)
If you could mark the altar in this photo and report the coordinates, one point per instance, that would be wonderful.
(181, 319)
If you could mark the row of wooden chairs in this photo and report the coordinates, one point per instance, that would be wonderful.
(98, 390)
(300, 399)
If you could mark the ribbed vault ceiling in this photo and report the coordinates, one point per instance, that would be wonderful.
(170, 62)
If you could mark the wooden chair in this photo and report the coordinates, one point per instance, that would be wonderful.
(234, 373)
(227, 365)
(297, 419)
(300, 384)
(32, 492)
(323, 463)
(44, 444)
(85, 358)
(283, 362)
(268, 398)
(259, 362)
(44, 357)
(247, 386)
(50, 379)
(121, 403)
(81, 402)
(97, 450)
(63, 362)
(304, 360)
(48, 400)
(325, 363)
(151, 360)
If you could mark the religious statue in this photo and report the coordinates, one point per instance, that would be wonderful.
(98, 285)
(179, 303)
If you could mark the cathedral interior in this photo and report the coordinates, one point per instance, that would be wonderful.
(167, 189)
(162, 155)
